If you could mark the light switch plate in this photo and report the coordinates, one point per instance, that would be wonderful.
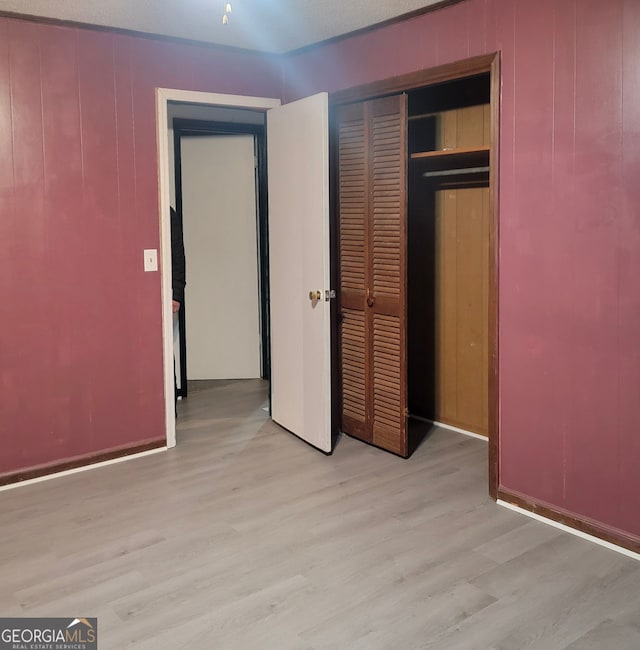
(150, 259)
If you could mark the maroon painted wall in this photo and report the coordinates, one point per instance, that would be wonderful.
(569, 229)
(80, 322)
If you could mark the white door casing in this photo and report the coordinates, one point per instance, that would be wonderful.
(163, 97)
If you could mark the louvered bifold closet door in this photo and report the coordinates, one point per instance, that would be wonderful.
(372, 181)
(352, 236)
(387, 271)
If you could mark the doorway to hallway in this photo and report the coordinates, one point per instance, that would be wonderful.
(220, 197)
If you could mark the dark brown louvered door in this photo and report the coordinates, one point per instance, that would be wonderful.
(387, 272)
(372, 182)
(352, 235)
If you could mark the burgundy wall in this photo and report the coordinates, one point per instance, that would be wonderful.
(80, 322)
(569, 229)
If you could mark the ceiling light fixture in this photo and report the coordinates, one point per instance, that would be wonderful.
(227, 11)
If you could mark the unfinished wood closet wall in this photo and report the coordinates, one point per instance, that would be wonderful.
(448, 251)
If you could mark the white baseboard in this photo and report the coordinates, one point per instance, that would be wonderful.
(568, 529)
(84, 468)
(448, 426)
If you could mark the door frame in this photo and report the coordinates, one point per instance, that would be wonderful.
(163, 97)
(489, 63)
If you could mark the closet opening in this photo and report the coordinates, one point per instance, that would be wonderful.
(416, 231)
(448, 247)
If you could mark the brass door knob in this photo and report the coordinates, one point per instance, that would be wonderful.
(315, 295)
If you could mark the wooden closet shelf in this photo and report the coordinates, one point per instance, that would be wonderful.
(451, 158)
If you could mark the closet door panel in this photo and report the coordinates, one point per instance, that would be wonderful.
(353, 370)
(387, 271)
(388, 200)
(388, 415)
(372, 215)
(352, 244)
(352, 163)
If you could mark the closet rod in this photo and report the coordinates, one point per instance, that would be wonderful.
(457, 172)
(421, 116)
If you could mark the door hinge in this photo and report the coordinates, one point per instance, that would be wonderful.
(329, 294)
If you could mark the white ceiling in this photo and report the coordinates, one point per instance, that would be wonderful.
(267, 25)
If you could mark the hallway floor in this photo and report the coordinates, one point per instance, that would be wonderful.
(244, 537)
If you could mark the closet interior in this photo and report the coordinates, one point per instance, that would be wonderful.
(448, 253)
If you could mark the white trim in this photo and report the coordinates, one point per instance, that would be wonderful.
(448, 426)
(567, 529)
(82, 468)
(219, 99)
(163, 96)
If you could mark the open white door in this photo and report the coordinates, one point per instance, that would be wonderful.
(298, 169)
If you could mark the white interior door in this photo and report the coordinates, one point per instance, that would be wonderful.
(298, 169)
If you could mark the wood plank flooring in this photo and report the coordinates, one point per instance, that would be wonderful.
(243, 537)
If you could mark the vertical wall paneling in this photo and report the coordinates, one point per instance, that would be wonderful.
(452, 34)
(105, 272)
(65, 227)
(562, 196)
(593, 454)
(532, 336)
(81, 321)
(25, 325)
(629, 272)
(6, 151)
(475, 16)
(8, 234)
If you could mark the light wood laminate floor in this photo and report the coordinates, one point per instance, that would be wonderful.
(243, 537)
